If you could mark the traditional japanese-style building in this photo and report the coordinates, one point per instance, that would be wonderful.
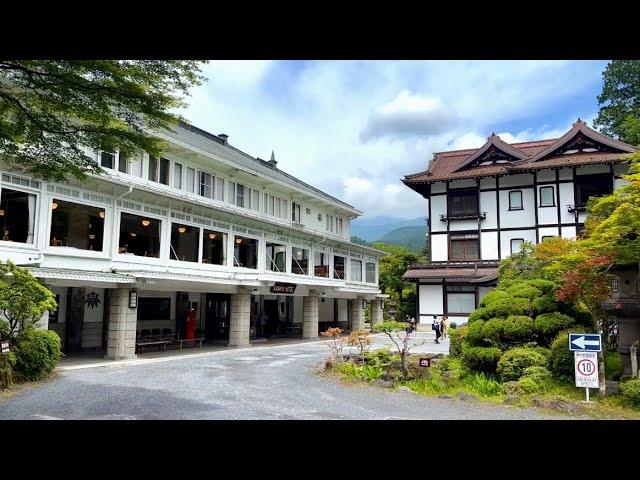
(483, 203)
(205, 233)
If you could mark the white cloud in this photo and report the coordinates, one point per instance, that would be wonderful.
(409, 115)
(314, 113)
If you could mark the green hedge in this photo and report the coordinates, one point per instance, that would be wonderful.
(630, 390)
(548, 325)
(37, 353)
(457, 340)
(481, 359)
(513, 363)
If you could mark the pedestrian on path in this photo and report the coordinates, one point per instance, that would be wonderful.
(444, 326)
(435, 326)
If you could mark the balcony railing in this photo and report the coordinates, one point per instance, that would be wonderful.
(576, 208)
(463, 216)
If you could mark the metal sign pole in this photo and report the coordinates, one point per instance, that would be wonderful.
(587, 390)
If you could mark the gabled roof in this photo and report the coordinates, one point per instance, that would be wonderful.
(533, 155)
(581, 128)
(494, 142)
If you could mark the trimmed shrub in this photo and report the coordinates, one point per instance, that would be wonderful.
(543, 304)
(539, 374)
(474, 333)
(545, 286)
(37, 353)
(630, 391)
(457, 340)
(548, 325)
(481, 359)
(561, 359)
(518, 329)
(523, 290)
(512, 364)
(480, 313)
(509, 306)
(7, 362)
(531, 385)
(492, 296)
(493, 331)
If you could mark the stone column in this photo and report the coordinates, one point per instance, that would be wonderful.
(376, 311)
(357, 314)
(240, 322)
(310, 315)
(121, 342)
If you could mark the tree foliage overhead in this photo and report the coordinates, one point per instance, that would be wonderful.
(391, 269)
(51, 110)
(619, 101)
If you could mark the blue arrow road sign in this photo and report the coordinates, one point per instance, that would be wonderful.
(583, 342)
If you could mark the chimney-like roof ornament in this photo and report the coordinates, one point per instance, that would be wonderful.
(272, 160)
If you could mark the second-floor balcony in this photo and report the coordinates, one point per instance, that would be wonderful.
(463, 216)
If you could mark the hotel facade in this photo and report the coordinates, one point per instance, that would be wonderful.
(204, 231)
(483, 203)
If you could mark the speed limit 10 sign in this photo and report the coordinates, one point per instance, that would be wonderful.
(586, 369)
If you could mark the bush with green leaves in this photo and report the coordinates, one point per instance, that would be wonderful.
(37, 353)
(7, 364)
(548, 325)
(457, 340)
(561, 359)
(5, 330)
(481, 359)
(513, 362)
(475, 335)
(482, 385)
(512, 331)
(630, 390)
(381, 357)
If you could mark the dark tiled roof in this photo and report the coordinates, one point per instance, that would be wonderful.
(535, 155)
(457, 274)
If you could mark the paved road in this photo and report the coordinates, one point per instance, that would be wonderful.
(276, 382)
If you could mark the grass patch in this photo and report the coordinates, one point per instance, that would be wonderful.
(613, 365)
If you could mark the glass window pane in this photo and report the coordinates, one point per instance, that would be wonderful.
(240, 195)
(184, 243)
(177, 175)
(515, 200)
(214, 248)
(232, 192)
(76, 225)
(277, 207)
(123, 162)
(546, 196)
(107, 159)
(220, 189)
(370, 272)
(516, 245)
(136, 165)
(206, 185)
(153, 169)
(461, 302)
(191, 180)
(356, 270)
(255, 204)
(164, 171)
(300, 261)
(338, 267)
(321, 264)
(17, 215)
(245, 252)
(139, 236)
(271, 204)
(276, 257)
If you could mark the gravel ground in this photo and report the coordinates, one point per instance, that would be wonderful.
(273, 382)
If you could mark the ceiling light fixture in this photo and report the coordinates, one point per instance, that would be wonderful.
(182, 229)
(54, 205)
(146, 222)
(212, 236)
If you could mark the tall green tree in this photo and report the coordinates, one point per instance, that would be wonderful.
(51, 110)
(619, 101)
(391, 268)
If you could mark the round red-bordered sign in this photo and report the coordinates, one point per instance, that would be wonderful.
(586, 367)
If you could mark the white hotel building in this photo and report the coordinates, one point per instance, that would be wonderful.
(483, 203)
(205, 228)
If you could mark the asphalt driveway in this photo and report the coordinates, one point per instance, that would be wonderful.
(265, 382)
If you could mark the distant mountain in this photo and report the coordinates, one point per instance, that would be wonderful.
(374, 228)
(412, 237)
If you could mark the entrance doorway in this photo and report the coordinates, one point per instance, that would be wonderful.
(272, 318)
(217, 316)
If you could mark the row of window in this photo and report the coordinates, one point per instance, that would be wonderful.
(82, 226)
(465, 202)
(210, 186)
(466, 246)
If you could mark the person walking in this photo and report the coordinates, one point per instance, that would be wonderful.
(444, 326)
(435, 326)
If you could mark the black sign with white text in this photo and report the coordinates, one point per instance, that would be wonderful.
(279, 287)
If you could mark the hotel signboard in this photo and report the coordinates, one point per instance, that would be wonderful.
(280, 287)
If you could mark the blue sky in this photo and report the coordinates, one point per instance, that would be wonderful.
(354, 128)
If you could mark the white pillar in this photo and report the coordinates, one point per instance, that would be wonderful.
(240, 320)
(376, 311)
(357, 314)
(310, 315)
(121, 342)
